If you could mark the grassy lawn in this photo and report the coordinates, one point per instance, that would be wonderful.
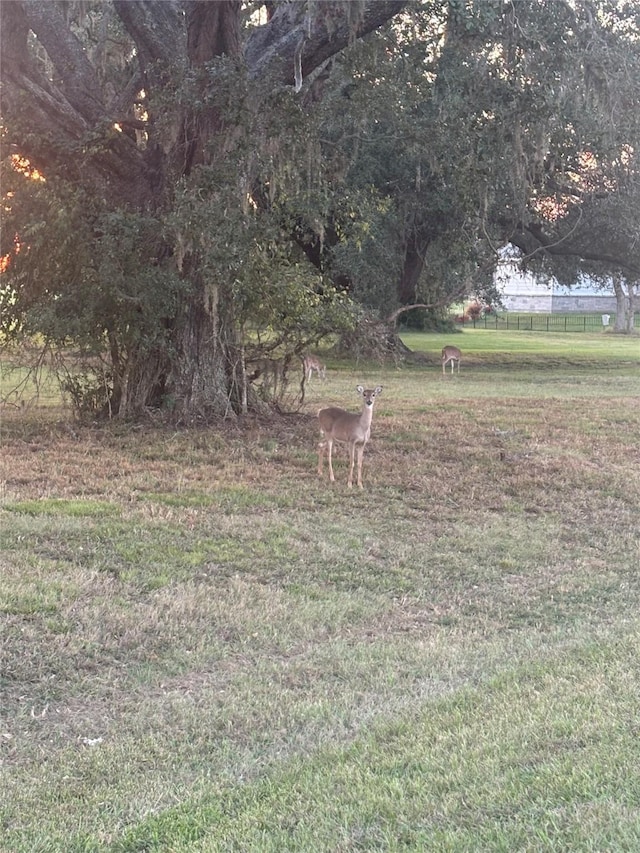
(599, 349)
(205, 647)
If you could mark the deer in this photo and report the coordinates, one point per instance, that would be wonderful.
(271, 371)
(311, 363)
(450, 354)
(353, 430)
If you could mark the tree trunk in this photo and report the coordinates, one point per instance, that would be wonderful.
(411, 268)
(143, 384)
(634, 305)
(626, 305)
(200, 383)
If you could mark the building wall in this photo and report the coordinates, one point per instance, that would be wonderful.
(527, 303)
(521, 291)
(583, 304)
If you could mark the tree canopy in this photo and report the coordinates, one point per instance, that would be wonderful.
(193, 187)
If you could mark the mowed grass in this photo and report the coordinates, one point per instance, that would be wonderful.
(205, 647)
(599, 351)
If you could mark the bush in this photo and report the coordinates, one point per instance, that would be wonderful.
(424, 320)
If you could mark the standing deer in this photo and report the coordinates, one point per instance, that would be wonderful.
(354, 430)
(311, 363)
(450, 354)
(272, 372)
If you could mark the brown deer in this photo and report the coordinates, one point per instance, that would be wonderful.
(354, 430)
(453, 355)
(311, 363)
(270, 370)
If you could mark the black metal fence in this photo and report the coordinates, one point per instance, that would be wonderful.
(542, 322)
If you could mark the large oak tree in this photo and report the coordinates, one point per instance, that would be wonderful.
(138, 116)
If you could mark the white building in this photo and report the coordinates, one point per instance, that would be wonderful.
(525, 292)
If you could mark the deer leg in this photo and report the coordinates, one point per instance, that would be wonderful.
(360, 455)
(352, 459)
(321, 447)
(329, 453)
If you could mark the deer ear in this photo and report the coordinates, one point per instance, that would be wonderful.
(379, 389)
(359, 389)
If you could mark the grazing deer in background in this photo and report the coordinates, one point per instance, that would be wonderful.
(271, 371)
(311, 363)
(354, 430)
(450, 354)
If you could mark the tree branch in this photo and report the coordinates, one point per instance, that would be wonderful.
(156, 28)
(78, 77)
(271, 49)
(531, 239)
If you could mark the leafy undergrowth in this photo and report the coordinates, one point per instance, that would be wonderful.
(206, 647)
